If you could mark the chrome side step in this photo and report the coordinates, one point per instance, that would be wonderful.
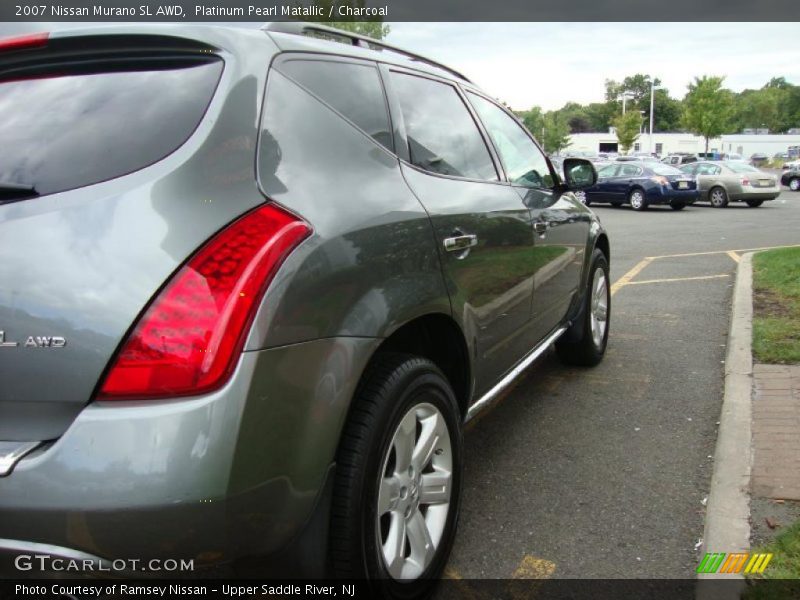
(509, 378)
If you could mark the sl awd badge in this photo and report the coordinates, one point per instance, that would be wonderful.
(35, 341)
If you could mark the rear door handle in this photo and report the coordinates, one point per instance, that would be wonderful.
(460, 242)
(540, 227)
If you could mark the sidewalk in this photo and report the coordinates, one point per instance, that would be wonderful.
(755, 487)
(776, 432)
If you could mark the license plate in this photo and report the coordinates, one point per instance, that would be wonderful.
(683, 185)
(764, 182)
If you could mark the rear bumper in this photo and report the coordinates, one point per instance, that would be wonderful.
(213, 479)
(769, 194)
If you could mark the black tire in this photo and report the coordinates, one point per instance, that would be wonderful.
(578, 345)
(392, 387)
(754, 203)
(718, 197)
(677, 205)
(637, 199)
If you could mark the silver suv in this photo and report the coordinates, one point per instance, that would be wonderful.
(254, 283)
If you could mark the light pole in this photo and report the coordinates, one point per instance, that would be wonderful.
(653, 88)
(625, 96)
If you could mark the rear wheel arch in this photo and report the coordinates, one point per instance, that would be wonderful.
(438, 338)
(604, 246)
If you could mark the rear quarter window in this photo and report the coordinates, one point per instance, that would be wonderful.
(354, 90)
(63, 128)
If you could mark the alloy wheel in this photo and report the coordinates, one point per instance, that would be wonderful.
(414, 492)
(637, 200)
(599, 313)
(718, 198)
(794, 184)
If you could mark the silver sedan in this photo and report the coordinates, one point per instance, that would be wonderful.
(730, 181)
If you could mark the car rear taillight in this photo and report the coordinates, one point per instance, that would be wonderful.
(660, 180)
(745, 180)
(23, 42)
(188, 340)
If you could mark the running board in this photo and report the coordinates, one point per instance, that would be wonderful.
(509, 378)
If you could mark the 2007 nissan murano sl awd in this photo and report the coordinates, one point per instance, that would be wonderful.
(252, 284)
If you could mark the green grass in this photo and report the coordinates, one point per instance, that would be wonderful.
(785, 565)
(776, 319)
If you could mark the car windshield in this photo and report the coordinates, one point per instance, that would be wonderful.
(741, 168)
(660, 169)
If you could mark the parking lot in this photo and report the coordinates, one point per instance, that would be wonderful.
(603, 473)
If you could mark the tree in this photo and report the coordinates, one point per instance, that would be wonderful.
(628, 129)
(556, 133)
(707, 107)
(533, 120)
(600, 115)
(371, 26)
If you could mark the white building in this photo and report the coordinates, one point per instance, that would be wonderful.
(669, 143)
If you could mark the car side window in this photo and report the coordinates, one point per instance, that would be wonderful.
(442, 136)
(352, 89)
(629, 171)
(708, 170)
(524, 162)
(688, 169)
(607, 171)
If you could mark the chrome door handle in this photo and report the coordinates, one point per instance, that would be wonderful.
(540, 227)
(460, 242)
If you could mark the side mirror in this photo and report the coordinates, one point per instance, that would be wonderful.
(579, 173)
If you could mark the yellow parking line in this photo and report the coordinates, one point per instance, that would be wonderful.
(677, 279)
(534, 568)
(739, 250)
(734, 256)
(625, 279)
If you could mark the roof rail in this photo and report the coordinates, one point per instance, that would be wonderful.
(355, 39)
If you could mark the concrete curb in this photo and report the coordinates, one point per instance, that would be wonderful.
(727, 527)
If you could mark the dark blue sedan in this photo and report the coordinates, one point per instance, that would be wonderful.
(640, 185)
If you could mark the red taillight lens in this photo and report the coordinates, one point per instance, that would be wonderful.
(22, 42)
(188, 340)
(745, 180)
(660, 180)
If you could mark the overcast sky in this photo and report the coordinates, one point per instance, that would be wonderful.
(549, 64)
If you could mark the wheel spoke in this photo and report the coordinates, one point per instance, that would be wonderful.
(419, 538)
(428, 439)
(395, 545)
(403, 442)
(388, 493)
(435, 487)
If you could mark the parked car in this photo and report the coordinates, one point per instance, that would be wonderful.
(641, 185)
(636, 158)
(247, 325)
(723, 182)
(758, 160)
(792, 164)
(679, 159)
(791, 178)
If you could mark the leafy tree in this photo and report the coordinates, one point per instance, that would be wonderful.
(370, 26)
(556, 133)
(533, 120)
(707, 107)
(628, 127)
(600, 115)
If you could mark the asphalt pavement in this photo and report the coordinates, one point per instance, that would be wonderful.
(603, 473)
